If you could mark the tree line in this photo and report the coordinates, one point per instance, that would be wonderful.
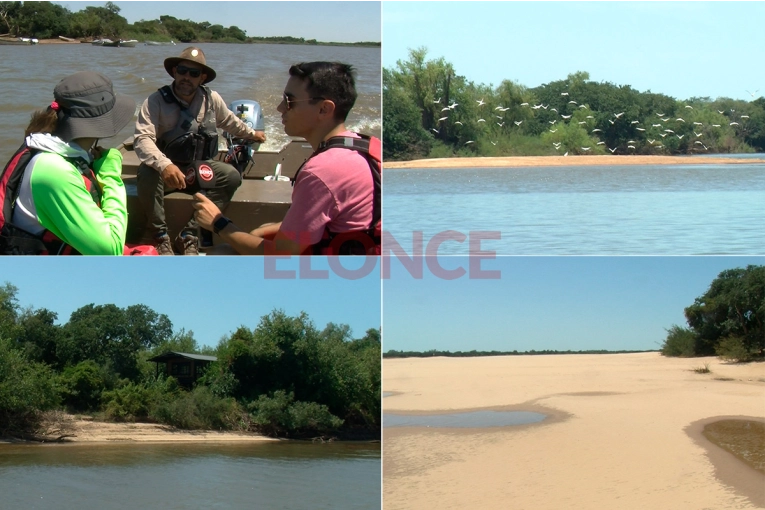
(474, 353)
(728, 320)
(430, 111)
(45, 20)
(283, 378)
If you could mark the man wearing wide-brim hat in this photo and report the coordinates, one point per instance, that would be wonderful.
(176, 141)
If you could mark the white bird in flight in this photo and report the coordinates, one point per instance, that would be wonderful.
(572, 102)
(517, 122)
(437, 100)
(480, 103)
(469, 142)
(640, 129)
(481, 120)
(596, 131)
(585, 149)
(679, 120)
(566, 116)
(617, 115)
(734, 123)
(442, 119)
(612, 150)
(679, 137)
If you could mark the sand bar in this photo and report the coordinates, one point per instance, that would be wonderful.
(78, 430)
(526, 161)
(624, 433)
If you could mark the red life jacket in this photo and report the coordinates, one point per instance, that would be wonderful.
(356, 242)
(17, 241)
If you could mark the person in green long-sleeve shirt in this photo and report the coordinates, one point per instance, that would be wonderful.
(71, 198)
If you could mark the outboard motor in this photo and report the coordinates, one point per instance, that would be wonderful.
(239, 150)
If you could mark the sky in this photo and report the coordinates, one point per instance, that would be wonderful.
(558, 303)
(211, 296)
(680, 49)
(323, 21)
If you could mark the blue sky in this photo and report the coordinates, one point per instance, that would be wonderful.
(324, 21)
(562, 303)
(211, 296)
(681, 49)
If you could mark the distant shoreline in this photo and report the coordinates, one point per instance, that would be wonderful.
(353, 45)
(550, 161)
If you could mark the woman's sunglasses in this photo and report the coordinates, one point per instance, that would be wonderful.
(182, 70)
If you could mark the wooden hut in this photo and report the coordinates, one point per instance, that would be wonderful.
(187, 368)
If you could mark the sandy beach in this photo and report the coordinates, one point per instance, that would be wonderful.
(527, 161)
(624, 433)
(75, 429)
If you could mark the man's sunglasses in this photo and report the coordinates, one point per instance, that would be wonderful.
(182, 70)
(288, 101)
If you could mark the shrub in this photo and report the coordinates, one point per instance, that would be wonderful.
(679, 342)
(81, 385)
(26, 388)
(732, 348)
(279, 415)
(128, 403)
(199, 409)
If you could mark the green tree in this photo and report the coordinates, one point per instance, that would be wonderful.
(26, 389)
(727, 320)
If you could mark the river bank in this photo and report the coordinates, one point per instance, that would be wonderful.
(626, 429)
(67, 428)
(537, 161)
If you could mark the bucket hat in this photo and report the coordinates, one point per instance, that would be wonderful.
(191, 54)
(88, 107)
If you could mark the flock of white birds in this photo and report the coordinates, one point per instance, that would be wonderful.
(658, 131)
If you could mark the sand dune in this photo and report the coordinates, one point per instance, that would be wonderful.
(622, 434)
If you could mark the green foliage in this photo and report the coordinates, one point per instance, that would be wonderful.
(46, 20)
(733, 348)
(584, 117)
(320, 380)
(679, 342)
(130, 402)
(111, 335)
(403, 134)
(733, 306)
(81, 385)
(26, 389)
(727, 320)
(280, 415)
(199, 409)
(289, 354)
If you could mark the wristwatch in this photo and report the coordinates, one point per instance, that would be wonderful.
(220, 224)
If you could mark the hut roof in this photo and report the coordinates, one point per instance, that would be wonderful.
(172, 355)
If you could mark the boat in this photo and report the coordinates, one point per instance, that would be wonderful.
(68, 39)
(15, 41)
(102, 42)
(156, 43)
(119, 43)
(257, 201)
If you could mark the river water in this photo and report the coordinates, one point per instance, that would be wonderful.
(244, 71)
(183, 476)
(693, 209)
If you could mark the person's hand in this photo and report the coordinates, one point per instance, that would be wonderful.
(173, 177)
(205, 212)
(98, 152)
(260, 137)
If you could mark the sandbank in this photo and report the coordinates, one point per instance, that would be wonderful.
(73, 429)
(624, 433)
(527, 161)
